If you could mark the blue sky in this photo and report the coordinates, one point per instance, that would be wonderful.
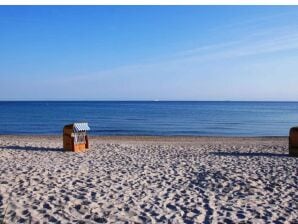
(149, 52)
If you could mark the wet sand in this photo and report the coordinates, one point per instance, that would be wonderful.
(148, 180)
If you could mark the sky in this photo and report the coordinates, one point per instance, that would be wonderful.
(149, 53)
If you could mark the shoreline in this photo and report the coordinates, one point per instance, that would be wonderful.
(159, 139)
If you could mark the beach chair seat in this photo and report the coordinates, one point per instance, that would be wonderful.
(75, 137)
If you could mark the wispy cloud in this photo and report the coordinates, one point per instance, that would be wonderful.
(236, 49)
(269, 44)
(251, 43)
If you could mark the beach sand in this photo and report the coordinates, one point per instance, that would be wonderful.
(148, 180)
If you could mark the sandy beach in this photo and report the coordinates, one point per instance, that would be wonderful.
(148, 180)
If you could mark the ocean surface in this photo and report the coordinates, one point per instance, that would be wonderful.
(151, 118)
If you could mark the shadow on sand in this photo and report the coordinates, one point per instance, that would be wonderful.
(249, 154)
(32, 148)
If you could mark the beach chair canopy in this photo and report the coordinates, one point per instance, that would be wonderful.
(81, 127)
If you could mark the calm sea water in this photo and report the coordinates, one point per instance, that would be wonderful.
(151, 118)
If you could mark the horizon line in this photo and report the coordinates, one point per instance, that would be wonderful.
(139, 100)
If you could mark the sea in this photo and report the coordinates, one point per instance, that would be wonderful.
(160, 118)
